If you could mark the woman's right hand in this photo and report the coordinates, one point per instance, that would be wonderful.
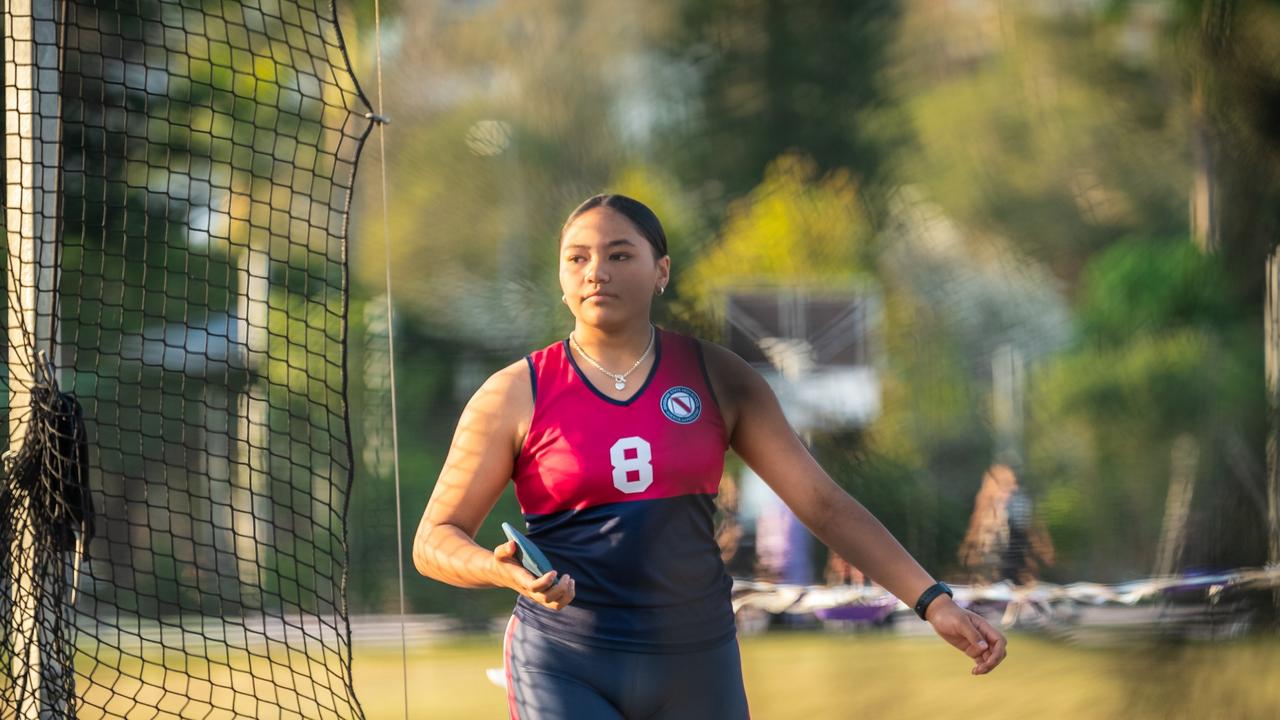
(538, 589)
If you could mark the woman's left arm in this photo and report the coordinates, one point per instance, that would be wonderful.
(762, 437)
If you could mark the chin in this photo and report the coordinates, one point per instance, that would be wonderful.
(604, 318)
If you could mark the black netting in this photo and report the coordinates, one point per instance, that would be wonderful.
(172, 513)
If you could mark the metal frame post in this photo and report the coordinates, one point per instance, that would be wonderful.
(32, 164)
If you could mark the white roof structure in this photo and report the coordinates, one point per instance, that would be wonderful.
(815, 348)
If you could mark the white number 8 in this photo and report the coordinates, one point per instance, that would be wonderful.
(623, 465)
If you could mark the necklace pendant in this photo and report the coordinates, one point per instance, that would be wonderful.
(619, 383)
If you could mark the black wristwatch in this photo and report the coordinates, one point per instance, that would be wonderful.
(929, 595)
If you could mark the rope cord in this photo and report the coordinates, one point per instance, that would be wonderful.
(380, 119)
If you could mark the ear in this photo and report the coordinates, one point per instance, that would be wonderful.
(664, 270)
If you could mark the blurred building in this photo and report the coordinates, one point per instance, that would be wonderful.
(817, 351)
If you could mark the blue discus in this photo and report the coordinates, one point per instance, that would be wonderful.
(530, 556)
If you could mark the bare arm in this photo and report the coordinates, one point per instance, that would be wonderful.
(479, 465)
(762, 437)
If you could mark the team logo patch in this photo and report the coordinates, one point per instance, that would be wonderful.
(681, 405)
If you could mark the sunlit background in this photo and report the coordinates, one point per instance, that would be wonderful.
(1010, 267)
(1006, 263)
(1034, 233)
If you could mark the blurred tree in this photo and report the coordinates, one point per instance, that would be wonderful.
(1161, 353)
(1229, 79)
(771, 77)
(1222, 58)
(1062, 130)
(506, 116)
(797, 228)
(1031, 125)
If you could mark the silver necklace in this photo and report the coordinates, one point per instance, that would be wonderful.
(619, 381)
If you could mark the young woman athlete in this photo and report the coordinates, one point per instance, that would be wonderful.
(615, 439)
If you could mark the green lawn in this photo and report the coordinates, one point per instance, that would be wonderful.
(815, 676)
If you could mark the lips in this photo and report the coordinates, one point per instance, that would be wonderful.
(598, 295)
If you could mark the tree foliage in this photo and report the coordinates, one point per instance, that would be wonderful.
(797, 228)
(1162, 352)
(772, 77)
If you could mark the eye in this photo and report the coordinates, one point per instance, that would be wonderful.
(573, 258)
(620, 256)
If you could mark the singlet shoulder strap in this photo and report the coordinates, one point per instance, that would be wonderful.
(533, 377)
(543, 364)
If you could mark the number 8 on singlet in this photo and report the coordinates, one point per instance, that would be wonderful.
(624, 466)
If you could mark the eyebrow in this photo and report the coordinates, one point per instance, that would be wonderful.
(611, 243)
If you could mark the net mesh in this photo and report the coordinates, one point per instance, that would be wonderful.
(178, 464)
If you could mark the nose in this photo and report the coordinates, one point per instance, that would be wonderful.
(596, 273)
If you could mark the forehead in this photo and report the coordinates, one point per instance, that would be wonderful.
(601, 225)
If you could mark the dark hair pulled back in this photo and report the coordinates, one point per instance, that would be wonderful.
(637, 212)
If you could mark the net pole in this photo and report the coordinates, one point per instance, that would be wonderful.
(251, 505)
(32, 130)
(1271, 355)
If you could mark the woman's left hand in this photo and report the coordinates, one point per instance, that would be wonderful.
(968, 631)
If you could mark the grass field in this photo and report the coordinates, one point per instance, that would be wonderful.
(884, 677)
(807, 675)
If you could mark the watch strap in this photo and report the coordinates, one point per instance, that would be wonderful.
(930, 594)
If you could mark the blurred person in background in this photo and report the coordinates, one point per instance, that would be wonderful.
(842, 572)
(615, 441)
(1005, 540)
(729, 528)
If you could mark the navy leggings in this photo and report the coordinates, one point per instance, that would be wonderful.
(549, 678)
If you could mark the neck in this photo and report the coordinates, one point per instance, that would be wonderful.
(612, 348)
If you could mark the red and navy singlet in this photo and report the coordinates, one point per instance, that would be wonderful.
(619, 494)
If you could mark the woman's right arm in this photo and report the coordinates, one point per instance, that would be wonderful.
(479, 465)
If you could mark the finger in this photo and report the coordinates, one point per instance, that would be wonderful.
(994, 658)
(988, 631)
(562, 598)
(560, 592)
(541, 594)
(505, 551)
(969, 630)
(999, 645)
(968, 646)
(982, 666)
(544, 583)
(989, 663)
(994, 639)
